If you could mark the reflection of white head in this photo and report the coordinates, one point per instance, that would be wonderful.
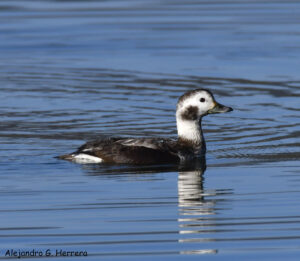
(195, 205)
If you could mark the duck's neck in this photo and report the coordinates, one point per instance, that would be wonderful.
(190, 132)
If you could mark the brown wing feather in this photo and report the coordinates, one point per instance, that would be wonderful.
(132, 151)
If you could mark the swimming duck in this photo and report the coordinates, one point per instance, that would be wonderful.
(190, 144)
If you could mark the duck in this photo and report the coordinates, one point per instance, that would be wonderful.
(191, 107)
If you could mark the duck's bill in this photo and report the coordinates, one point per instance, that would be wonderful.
(219, 108)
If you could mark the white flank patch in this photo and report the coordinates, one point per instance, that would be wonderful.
(86, 159)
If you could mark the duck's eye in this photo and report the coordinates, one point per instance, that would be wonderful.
(202, 100)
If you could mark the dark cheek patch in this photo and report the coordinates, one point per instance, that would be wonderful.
(190, 113)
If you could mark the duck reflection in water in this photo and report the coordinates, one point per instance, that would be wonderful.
(193, 206)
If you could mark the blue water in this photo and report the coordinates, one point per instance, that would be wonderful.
(72, 71)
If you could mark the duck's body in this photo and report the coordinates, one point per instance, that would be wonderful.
(191, 107)
(136, 151)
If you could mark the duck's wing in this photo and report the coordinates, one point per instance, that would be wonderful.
(132, 151)
(151, 143)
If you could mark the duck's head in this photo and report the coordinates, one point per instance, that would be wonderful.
(191, 107)
(195, 104)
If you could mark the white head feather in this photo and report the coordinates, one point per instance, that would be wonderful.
(191, 107)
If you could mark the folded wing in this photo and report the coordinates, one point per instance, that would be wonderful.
(131, 151)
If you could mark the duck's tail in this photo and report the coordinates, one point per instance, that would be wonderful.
(69, 157)
(80, 158)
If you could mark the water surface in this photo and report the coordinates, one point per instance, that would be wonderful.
(72, 71)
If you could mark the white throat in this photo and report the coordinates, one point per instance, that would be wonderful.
(189, 130)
